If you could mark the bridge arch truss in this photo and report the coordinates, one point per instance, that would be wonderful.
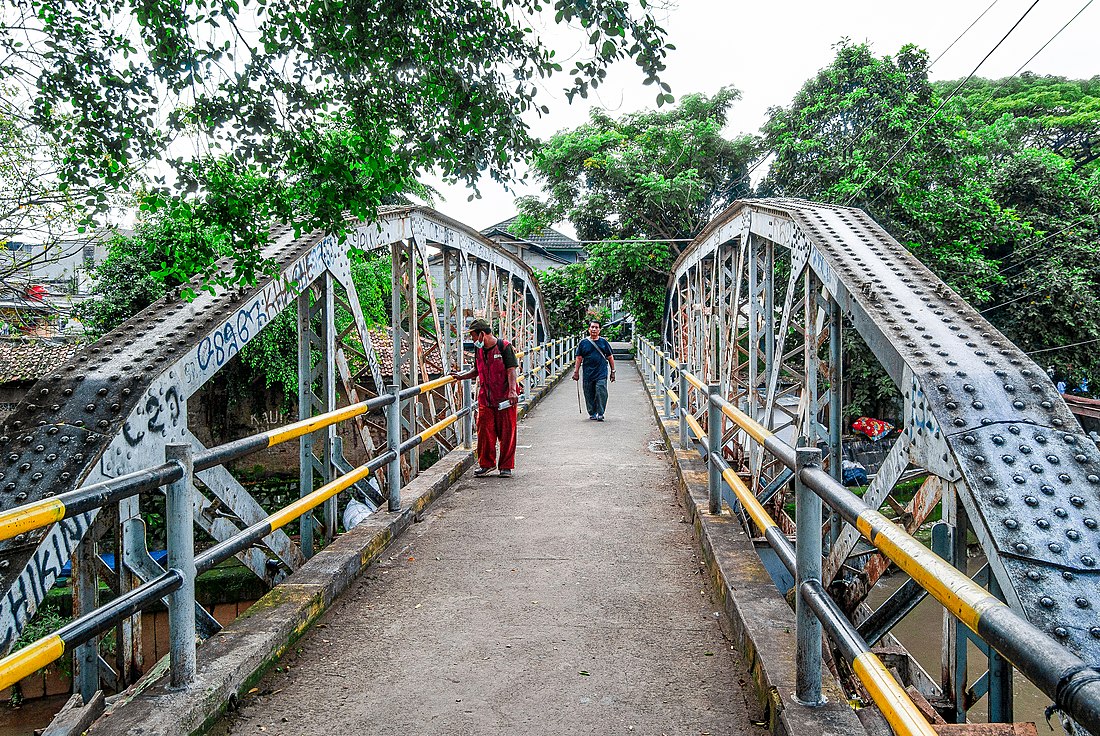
(760, 303)
(120, 401)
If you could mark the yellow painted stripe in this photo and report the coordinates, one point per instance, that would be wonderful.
(754, 429)
(695, 427)
(960, 595)
(675, 396)
(438, 427)
(284, 516)
(752, 506)
(32, 516)
(890, 697)
(695, 381)
(436, 383)
(297, 429)
(30, 659)
(672, 363)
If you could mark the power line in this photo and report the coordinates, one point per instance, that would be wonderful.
(1062, 347)
(943, 104)
(959, 38)
(1000, 86)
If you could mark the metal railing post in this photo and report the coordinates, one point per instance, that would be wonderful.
(667, 376)
(527, 378)
(181, 557)
(808, 567)
(714, 447)
(468, 419)
(393, 442)
(682, 407)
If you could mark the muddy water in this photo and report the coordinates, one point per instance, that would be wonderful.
(37, 713)
(920, 632)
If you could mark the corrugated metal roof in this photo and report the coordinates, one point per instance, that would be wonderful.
(29, 360)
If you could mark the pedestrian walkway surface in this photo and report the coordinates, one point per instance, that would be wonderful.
(567, 599)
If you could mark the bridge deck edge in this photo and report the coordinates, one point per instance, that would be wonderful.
(761, 622)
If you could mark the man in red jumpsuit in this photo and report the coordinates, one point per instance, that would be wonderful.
(495, 366)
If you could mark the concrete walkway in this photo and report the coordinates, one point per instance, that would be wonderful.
(565, 600)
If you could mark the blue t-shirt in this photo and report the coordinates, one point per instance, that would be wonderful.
(595, 365)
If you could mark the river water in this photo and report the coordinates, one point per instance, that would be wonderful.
(921, 633)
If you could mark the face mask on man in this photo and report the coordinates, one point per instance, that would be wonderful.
(479, 344)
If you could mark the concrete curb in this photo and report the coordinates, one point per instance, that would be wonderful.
(234, 660)
(761, 621)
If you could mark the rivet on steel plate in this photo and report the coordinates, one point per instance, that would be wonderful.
(1036, 468)
(969, 439)
(1041, 439)
(998, 439)
(1060, 512)
(1061, 632)
(1055, 548)
(1064, 477)
(1034, 576)
(1046, 602)
(1077, 501)
(978, 405)
(1081, 458)
(1009, 459)
(1031, 500)
(1000, 500)
(1095, 631)
(1009, 388)
(989, 480)
(1073, 535)
(1042, 524)
(1018, 405)
(979, 459)
(1011, 523)
(1053, 459)
(1025, 449)
(1090, 522)
(1022, 548)
(1088, 560)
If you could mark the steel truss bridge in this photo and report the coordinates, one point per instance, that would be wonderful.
(751, 356)
(759, 303)
(117, 405)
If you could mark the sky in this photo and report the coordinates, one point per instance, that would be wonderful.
(767, 50)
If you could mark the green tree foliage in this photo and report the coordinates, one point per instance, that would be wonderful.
(1005, 209)
(1043, 112)
(125, 285)
(299, 112)
(640, 183)
(637, 271)
(565, 296)
(648, 175)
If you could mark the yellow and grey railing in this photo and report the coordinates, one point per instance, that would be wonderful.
(183, 565)
(1073, 685)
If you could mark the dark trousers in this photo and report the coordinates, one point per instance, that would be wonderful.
(493, 426)
(595, 396)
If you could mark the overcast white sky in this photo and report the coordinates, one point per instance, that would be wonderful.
(768, 49)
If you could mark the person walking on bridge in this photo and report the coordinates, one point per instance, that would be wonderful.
(594, 354)
(495, 367)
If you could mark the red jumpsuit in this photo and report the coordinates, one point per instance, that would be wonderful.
(493, 424)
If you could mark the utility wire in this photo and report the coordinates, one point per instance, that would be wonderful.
(1062, 347)
(1000, 86)
(959, 38)
(943, 104)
